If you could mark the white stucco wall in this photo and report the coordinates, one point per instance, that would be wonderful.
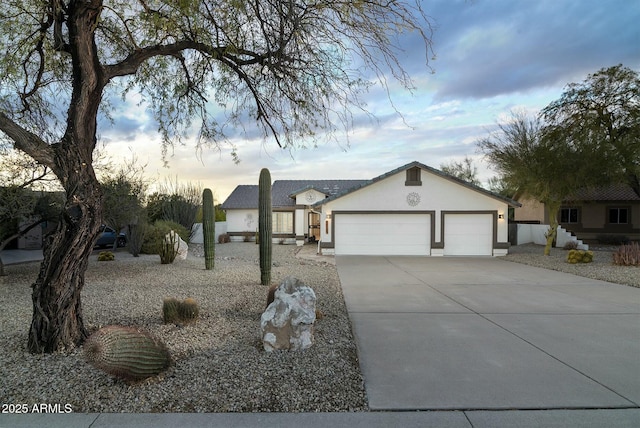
(242, 220)
(436, 194)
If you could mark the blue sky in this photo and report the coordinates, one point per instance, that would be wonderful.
(492, 57)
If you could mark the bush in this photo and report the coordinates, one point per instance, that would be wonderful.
(106, 256)
(154, 235)
(224, 238)
(627, 255)
(136, 234)
(579, 256)
(570, 245)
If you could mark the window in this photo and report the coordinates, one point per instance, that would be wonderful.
(413, 177)
(282, 222)
(618, 215)
(568, 215)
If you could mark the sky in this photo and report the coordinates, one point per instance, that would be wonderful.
(492, 57)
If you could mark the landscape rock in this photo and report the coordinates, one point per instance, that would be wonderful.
(287, 323)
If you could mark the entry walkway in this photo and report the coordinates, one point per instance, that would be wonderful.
(487, 334)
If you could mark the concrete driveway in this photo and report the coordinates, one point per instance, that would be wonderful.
(485, 334)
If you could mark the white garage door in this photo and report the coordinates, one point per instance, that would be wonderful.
(383, 234)
(468, 235)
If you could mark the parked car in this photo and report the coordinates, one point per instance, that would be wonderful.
(108, 236)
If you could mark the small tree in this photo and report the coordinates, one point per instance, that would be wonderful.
(464, 170)
(538, 166)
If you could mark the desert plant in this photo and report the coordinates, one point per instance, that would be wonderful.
(224, 238)
(627, 255)
(169, 248)
(264, 225)
(136, 234)
(155, 234)
(188, 311)
(208, 229)
(170, 310)
(106, 256)
(127, 353)
(579, 256)
(570, 245)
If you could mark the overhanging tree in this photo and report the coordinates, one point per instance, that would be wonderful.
(293, 66)
(601, 115)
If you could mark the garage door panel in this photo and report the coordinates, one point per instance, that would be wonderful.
(383, 234)
(468, 234)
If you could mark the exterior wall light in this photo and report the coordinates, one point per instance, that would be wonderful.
(500, 216)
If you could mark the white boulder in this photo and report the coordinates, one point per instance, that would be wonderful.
(287, 323)
(180, 246)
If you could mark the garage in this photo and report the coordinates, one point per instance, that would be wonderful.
(383, 234)
(468, 234)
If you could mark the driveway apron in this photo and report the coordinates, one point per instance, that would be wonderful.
(484, 334)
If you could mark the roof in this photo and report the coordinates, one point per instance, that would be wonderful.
(283, 192)
(615, 192)
(437, 172)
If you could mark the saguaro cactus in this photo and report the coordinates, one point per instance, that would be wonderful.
(264, 225)
(127, 353)
(208, 228)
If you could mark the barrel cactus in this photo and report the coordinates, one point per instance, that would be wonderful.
(208, 228)
(188, 311)
(127, 353)
(264, 225)
(170, 310)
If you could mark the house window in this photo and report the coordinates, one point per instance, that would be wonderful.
(618, 215)
(568, 215)
(413, 177)
(282, 222)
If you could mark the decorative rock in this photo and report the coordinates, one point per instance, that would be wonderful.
(287, 323)
(181, 247)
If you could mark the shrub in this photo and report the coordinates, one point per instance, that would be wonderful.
(224, 238)
(168, 248)
(579, 256)
(246, 236)
(155, 233)
(136, 236)
(570, 245)
(627, 255)
(106, 256)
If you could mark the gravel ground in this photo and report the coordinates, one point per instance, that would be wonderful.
(601, 267)
(219, 363)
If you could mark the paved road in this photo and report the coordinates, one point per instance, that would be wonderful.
(484, 333)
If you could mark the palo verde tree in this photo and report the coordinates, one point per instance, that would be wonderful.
(538, 166)
(601, 116)
(464, 170)
(295, 66)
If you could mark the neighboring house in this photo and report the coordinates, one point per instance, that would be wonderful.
(591, 214)
(412, 210)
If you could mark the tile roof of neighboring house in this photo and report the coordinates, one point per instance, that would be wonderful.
(616, 192)
(283, 192)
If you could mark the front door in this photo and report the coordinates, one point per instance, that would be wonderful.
(314, 227)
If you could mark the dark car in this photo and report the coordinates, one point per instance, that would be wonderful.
(108, 236)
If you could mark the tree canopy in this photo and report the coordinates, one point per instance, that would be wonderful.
(296, 68)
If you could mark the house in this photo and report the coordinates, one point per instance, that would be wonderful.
(412, 210)
(597, 214)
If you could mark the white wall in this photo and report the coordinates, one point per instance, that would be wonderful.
(196, 232)
(242, 220)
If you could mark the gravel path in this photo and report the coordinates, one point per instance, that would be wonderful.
(601, 267)
(219, 363)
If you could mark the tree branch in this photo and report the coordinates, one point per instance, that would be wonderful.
(27, 141)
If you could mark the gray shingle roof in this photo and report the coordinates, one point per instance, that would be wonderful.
(615, 192)
(283, 192)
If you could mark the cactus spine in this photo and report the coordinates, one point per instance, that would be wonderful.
(264, 225)
(126, 353)
(208, 228)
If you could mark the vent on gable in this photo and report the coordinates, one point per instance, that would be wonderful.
(413, 177)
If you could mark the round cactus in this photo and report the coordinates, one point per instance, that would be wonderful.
(127, 353)
(188, 311)
(170, 310)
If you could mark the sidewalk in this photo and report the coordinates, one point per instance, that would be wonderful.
(14, 257)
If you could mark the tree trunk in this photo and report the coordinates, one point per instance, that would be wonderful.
(552, 210)
(57, 321)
